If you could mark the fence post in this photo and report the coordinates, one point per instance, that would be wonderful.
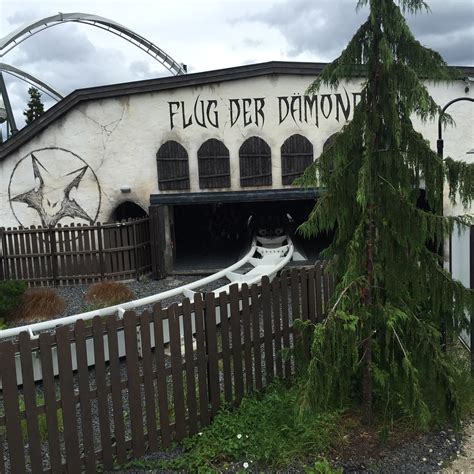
(101, 250)
(157, 241)
(135, 250)
(52, 248)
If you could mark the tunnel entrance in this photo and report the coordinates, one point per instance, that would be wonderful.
(128, 210)
(211, 231)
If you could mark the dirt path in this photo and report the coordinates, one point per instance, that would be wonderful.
(464, 463)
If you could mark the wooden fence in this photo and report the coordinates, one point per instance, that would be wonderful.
(75, 254)
(221, 348)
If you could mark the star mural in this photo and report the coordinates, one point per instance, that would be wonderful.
(50, 197)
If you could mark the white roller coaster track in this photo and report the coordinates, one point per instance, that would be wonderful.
(7, 43)
(32, 80)
(266, 257)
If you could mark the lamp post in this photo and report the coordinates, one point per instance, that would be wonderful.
(440, 150)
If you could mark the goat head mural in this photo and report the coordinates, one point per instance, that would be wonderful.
(52, 184)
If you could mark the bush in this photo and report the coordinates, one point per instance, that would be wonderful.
(38, 303)
(263, 431)
(10, 295)
(108, 293)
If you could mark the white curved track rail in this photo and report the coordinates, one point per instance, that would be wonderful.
(266, 257)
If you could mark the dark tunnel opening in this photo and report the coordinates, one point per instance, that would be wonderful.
(213, 236)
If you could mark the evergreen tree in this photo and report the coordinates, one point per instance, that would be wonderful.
(382, 336)
(35, 107)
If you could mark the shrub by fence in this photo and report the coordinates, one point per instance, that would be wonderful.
(220, 349)
(75, 254)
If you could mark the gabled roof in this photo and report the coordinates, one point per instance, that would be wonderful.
(161, 84)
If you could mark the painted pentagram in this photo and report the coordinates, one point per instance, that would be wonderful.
(52, 185)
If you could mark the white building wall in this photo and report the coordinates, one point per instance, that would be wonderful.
(117, 140)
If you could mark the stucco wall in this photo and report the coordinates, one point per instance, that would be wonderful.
(103, 145)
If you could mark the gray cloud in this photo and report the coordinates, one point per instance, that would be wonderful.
(323, 28)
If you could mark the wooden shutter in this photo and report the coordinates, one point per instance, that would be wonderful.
(173, 166)
(214, 166)
(296, 156)
(255, 163)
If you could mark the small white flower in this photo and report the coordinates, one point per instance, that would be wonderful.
(431, 450)
(200, 433)
(439, 464)
(239, 436)
(246, 465)
(424, 459)
(246, 436)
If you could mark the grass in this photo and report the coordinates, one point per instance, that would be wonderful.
(38, 303)
(107, 293)
(264, 431)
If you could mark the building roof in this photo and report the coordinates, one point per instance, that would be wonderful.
(161, 84)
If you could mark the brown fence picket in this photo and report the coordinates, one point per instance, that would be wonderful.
(84, 397)
(211, 343)
(276, 311)
(224, 331)
(133, 376)
(29, 396)
(68, 403)
(102, 391)
(161, 385)
(267, 329)
(148, 384)
(116, 388)
(318, 291)
(49, 392)
(246, 329)
(201, 360)
(177, 373)
(11, 408)
(285, 319)
(236, 342)
(257, 352)
(191, 399)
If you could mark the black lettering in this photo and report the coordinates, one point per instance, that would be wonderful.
(233, 119)
(356, 97)
(201, 122)
(215, 122)
(259, 105)
(190, 122)
(246, 103)
(324, 98)
(283, 100)
(296, 108)
(170, 105)
(346, 109)
(309, 103)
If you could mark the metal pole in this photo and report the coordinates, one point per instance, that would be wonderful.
(8, 107)
(440, 151)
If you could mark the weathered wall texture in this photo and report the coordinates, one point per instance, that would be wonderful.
(74, 170)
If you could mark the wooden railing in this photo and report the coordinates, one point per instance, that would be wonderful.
(221, 348)
(75, 254)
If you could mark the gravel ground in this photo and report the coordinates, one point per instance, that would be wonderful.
(426, 454)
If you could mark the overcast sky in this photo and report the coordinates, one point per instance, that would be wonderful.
(204, 35)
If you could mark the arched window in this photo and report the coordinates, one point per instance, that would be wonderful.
(255, 163)
(173, 166)
(296, 156)
(214, 166)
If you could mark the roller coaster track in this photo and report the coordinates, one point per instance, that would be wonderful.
(32, 80)
(10, 41)
(266, 257)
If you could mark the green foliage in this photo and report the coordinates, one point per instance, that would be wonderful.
(42, 423)
(10, 295)
(323, 467)
(382, 335)
(263, 430)
(35, 107)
